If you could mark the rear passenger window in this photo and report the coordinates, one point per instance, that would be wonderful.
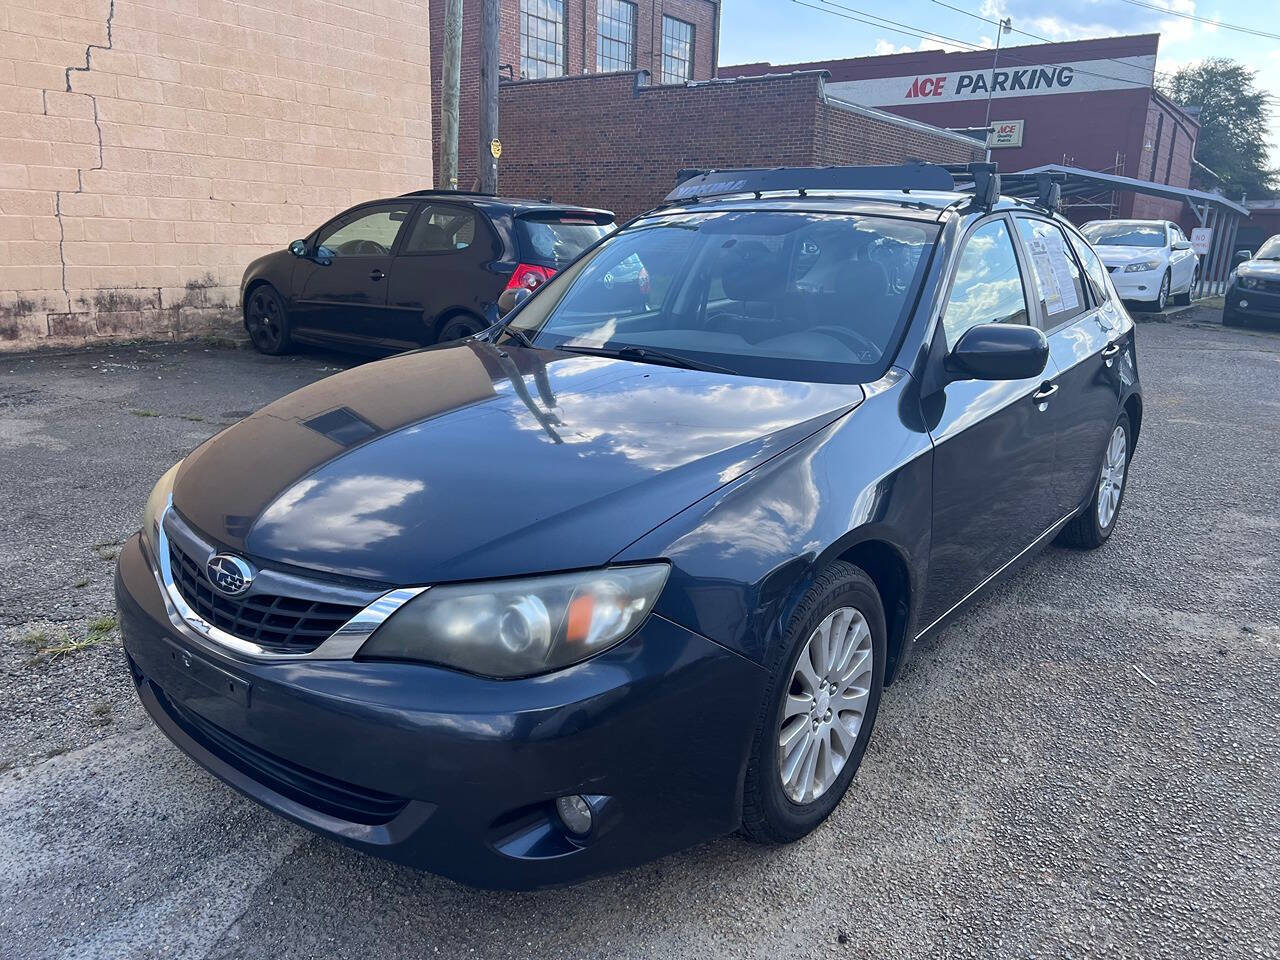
(987, 286)
(1093, 268)
(1057, 276)
(442, 229)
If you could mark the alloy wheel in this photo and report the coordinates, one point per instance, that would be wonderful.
(266, 323)
(1162, 298)
(825, 705)
(1111, 480)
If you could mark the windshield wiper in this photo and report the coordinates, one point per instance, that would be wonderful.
(650, 355)
(519, 336)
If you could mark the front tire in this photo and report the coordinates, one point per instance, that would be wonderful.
(1162, 295)
(1092, 527)
(267, 322)
(1184, 299)
(817, 717)
(1231, 319)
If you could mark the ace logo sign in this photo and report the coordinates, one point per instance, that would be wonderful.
(927, 87)
(1006, 133)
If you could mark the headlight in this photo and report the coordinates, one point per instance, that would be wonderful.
(156, 504)
(1141, 266)
(514, 628)
(1248, 283)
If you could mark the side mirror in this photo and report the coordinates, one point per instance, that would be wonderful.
(512, 298)
(998, 351)
(1241, 256)
(298, 248)
(1182, 244)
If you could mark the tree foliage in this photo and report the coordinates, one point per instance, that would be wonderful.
(1233, 122)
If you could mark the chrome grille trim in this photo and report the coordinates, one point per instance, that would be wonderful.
(342, 644)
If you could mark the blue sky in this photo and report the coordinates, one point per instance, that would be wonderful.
(784, 31)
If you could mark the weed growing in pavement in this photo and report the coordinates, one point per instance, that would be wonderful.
(146, 413)
(51, 646)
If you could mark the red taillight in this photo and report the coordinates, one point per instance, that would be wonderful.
(530, 276)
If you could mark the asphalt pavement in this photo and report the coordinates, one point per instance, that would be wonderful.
(1084, 764)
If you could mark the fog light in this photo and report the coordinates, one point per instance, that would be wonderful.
(1244, 304)
(575, 814)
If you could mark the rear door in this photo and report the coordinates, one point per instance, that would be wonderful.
(344, 297)
(994, 442)
(444, 267)
(1083, 334)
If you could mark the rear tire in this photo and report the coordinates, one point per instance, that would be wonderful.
(1092, 527)
(266, 321)
(844, 599)
(460, 326)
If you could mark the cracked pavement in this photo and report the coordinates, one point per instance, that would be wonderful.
(1083, 764)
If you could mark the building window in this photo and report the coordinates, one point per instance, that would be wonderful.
(541, 38)
(677, 51)
(615, 35)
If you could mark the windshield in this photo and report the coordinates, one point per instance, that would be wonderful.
(787, 295)
(1125, 234)
(554, 242)
(1269, 250)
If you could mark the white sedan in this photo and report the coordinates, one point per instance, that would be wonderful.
(1150, 260)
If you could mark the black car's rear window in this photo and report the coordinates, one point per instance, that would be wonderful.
(553, 240)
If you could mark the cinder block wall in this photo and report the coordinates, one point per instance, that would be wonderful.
(149, 149)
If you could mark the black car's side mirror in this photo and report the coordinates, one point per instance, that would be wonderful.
(511, 298)
(1241, 256)
(998, 351)
(298, 248)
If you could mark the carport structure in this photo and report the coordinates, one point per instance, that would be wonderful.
(1220, 215)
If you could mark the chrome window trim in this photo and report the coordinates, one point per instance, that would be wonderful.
(342, 644)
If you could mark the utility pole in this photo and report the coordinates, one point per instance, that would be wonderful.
(451, 75)
(489, 146)
(1006, 26)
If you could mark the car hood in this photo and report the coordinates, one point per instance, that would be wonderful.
(476, 461)
(1118, 256)
(1267, 269)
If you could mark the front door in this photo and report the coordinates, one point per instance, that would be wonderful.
(994, 445)
(345, 293)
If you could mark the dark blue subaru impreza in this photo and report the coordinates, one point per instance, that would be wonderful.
(631, 569)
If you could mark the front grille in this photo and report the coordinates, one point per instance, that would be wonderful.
(276, 623)
(1268, 286)
(316, 791)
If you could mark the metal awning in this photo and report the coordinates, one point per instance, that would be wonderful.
(1212, 210)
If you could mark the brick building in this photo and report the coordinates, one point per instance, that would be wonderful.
(1084, 103)
(615, 141)
(675, 40)
(150, 150)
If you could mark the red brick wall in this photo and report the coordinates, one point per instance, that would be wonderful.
(580, 51)
(606, 142)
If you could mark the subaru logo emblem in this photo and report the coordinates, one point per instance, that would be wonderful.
(229, 574)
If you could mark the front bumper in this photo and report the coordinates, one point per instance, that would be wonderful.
(459, 774)
(1143, 286)
(1253, 303)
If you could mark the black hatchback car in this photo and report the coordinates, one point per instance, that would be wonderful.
(427, 267)
(623, 574)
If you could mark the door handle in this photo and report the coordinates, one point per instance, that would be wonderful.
(376, 274)
(1041, 397)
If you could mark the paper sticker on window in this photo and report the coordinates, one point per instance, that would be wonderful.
(1053, 273)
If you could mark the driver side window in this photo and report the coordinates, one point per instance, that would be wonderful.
(369, 232)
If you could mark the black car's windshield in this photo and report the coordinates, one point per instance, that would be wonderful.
(1269, 250)
(1125, 234)
(783, 294)
(554, 241)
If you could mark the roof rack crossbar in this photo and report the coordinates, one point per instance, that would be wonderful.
(694, 184)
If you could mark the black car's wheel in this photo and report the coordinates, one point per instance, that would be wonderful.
(459, 326)
(1092, 526)
(817, 717)
(266, 321)
(1232, 319)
